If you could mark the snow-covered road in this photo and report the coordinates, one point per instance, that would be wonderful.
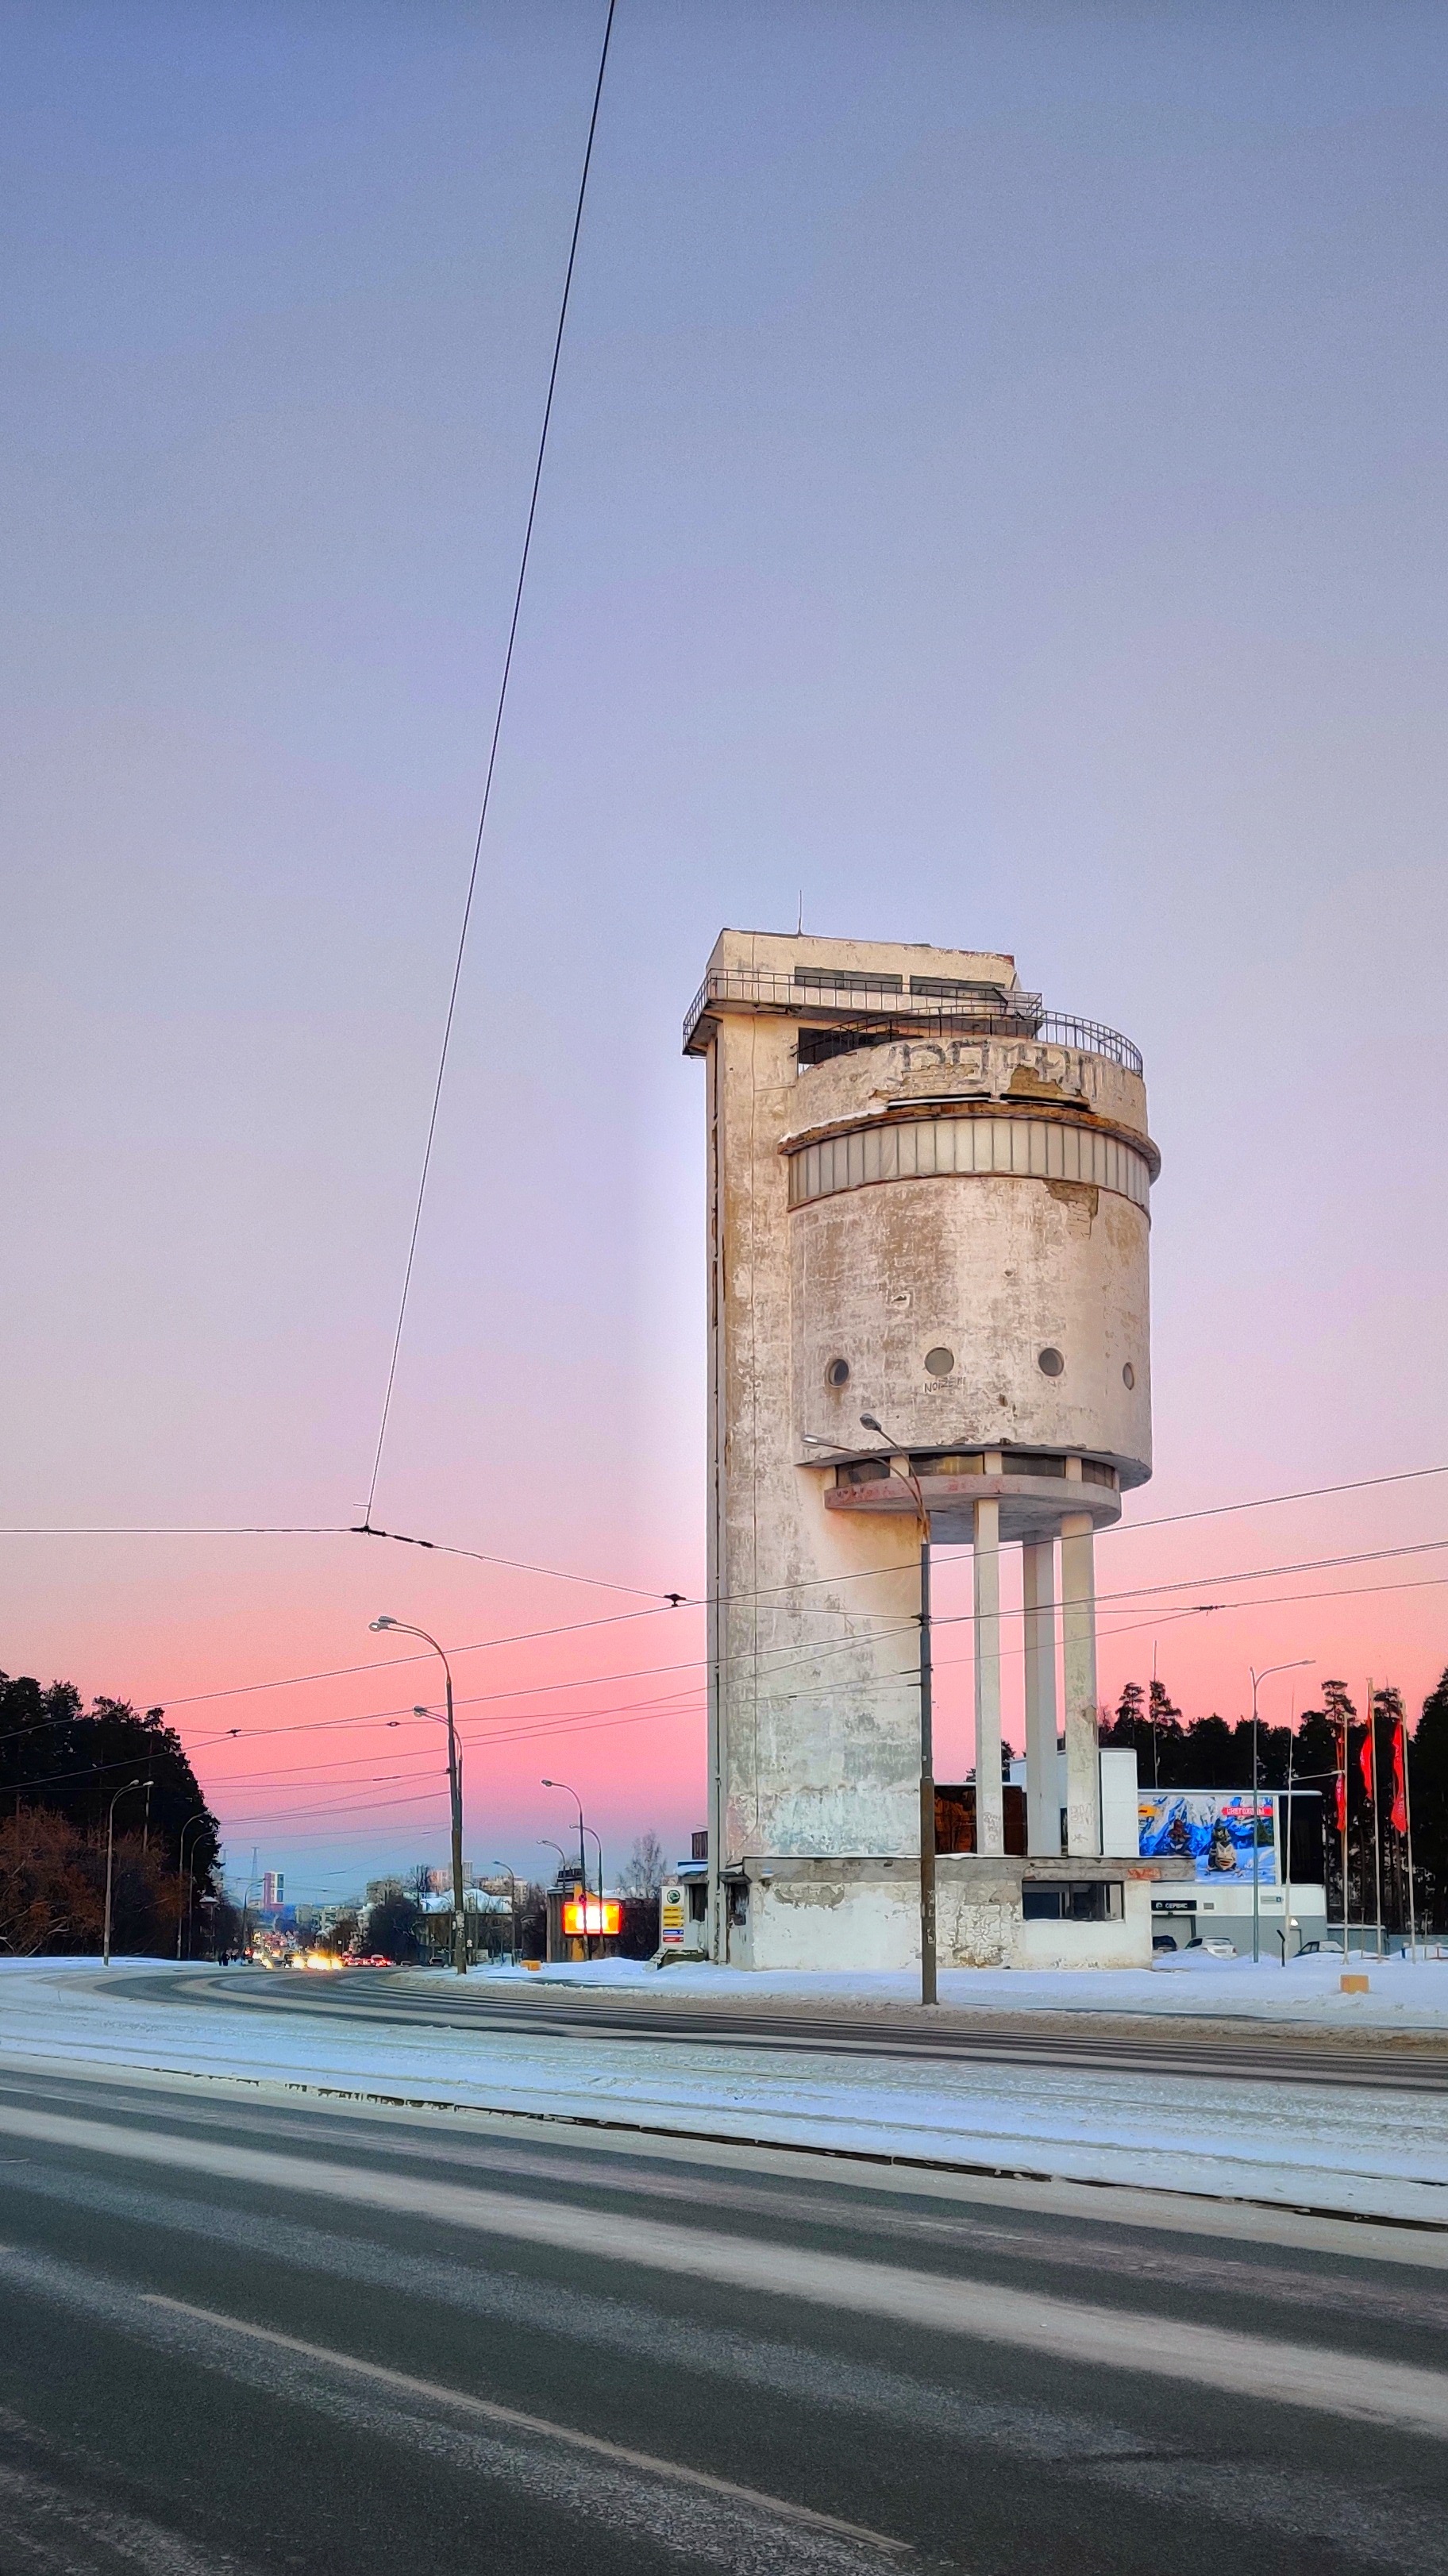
(1342, 2148)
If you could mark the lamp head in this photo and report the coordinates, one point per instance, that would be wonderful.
(419, 1711)
(375, 1624)
(868, 1423)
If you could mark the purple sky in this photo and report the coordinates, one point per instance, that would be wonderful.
(997, 488)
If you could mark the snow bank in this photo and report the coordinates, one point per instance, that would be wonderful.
(1402, 1995)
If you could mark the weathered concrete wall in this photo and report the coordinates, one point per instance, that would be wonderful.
(816, 1667)
(851, 1914)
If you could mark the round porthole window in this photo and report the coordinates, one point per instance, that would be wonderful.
(838, 1373)
(940, 1361)
(1050, 1363)
(1128, 1377)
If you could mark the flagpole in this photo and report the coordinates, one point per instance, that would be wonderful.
(1408, 1812)
(1377, 1817)
(1287, 1844)
(1344, 1836)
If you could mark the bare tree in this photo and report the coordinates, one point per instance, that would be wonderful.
(644, 1872)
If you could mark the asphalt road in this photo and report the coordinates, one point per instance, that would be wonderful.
(377, 1996)
(250, 2335)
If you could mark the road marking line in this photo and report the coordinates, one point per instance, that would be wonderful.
(1248, 2366)
(436, 2394)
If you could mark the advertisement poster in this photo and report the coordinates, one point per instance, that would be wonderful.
(1213, 1828)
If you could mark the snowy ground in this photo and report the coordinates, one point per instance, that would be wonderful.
(1402, 1995)
(1328, 2147)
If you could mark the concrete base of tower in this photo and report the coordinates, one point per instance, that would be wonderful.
(854, 1916)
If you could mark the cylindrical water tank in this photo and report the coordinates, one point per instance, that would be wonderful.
(968, 1245)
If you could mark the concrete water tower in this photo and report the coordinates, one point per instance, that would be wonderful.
(928, 1202)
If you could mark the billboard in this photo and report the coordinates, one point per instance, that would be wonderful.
(1213, 1829)
(673, 1916)
(596, 1915)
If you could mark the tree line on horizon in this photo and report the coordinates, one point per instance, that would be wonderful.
(61, 1766)
(1207, 1753)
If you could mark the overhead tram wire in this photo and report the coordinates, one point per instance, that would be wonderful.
(823, 1646)
(673, 1705)
(339, 1672)
(796, 1654)
(701, 1601)
(664, 1600)
(516, 1565)
(491, 767)
(358, 1529)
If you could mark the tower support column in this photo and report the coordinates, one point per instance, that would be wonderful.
(989, 1805)
(1078, 1630)
(1043, 1792)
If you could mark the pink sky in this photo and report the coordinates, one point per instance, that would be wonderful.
(997, 498)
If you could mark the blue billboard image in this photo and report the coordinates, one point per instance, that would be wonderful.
(1212, 1828)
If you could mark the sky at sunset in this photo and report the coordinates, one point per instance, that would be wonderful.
(996, 497)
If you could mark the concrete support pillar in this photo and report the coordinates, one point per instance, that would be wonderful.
(989, 1805)
(1078, 1629)
(1043, 1791)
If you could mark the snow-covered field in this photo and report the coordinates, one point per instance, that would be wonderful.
(1329, 2147)
(1402, 1994)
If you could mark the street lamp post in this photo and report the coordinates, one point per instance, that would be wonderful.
(582, 1858)
(1299, 1664)
(110, 1856)
(546, 1844)
(183, 1910)
(401, 1628)
(512, 1906)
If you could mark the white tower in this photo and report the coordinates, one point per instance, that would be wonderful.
(928, 1202)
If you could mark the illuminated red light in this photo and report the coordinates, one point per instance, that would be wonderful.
(597, 1915)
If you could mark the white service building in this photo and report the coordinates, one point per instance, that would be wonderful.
(928, 1202)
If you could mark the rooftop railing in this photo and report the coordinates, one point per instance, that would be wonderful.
(890, 1006)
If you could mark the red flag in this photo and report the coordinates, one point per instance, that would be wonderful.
(1400, 1785)
(1341, 1786)
(1365, 1765)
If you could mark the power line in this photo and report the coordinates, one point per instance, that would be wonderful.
(517, 1565)
(230, 1529)
(769, 1656)
(386, 1663)
(337, 1672)
(492, 764)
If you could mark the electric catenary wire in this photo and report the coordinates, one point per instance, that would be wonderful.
(492, 765)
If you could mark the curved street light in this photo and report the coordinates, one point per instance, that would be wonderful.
(183, 1911)
(122, 1792)
(582, 1857)
(403, 1628)
(1298, 1664)
(511, 1877)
